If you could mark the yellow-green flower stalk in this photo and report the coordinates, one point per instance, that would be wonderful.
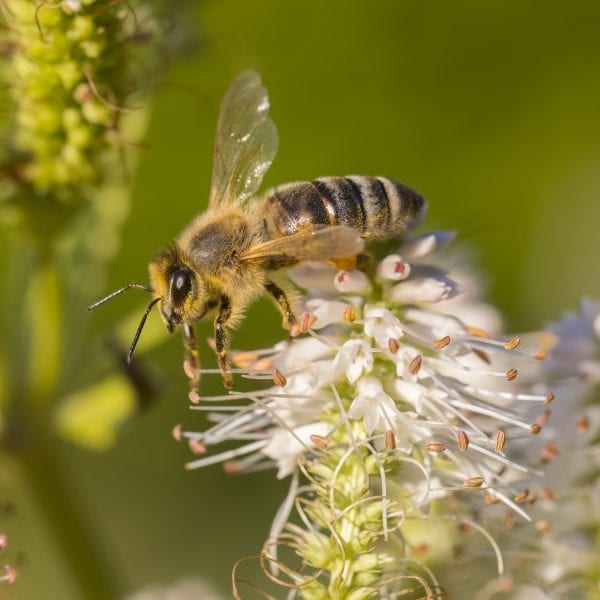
(68, 81)
(412, 420)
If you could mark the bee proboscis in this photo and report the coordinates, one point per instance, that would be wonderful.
(239, 248)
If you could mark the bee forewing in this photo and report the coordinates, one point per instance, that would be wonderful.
(246, 142)
(310, 244)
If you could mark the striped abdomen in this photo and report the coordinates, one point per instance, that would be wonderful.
(377, 207)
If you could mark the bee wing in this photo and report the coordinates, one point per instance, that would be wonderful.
(246, 141)
(309, 244)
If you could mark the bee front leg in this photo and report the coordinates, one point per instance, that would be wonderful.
(192, 356)
(222, 341)
(284, 305)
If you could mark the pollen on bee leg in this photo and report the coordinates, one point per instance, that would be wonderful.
(279, 378)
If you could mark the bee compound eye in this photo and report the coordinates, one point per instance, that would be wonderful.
(181, 285)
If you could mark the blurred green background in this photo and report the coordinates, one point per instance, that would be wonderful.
(491, 110)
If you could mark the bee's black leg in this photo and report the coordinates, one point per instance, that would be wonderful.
(222, 341)
(192, 356)
(283, 302)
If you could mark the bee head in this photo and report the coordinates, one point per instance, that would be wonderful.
(177, 286)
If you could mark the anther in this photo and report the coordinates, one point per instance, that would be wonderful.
(194, 397)
(10, 574)
(177, 432)
(549, 452)
(513, 343)
(473, 482)
(232, 467)
(393, 345)
(542, 526)
(491, 499)
(477, 332)
(535, 428)
(548, 494)
(520, 498)
(482, 355)
(583, 424)
(463, 440)
(319, 441)
(306, 322)
(350, 314)
(420, 549)
(543, 419)
(442, 342)
(189, 370)
(549, 398)
(500, 441)
(262, 365)
(197, 447)
(509, 520)
(243, 360)
(436, 447)
(511, 374)
(279, 378)
(541, 355)
(390, 440)
(415, 364)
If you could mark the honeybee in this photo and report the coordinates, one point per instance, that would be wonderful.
(239, 248)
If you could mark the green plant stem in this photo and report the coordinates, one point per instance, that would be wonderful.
(36, 470)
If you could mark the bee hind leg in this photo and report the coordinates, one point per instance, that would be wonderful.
(289, 320)
(222, 341)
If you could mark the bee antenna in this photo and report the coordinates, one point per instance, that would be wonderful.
(138, 332)
(129, 286)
